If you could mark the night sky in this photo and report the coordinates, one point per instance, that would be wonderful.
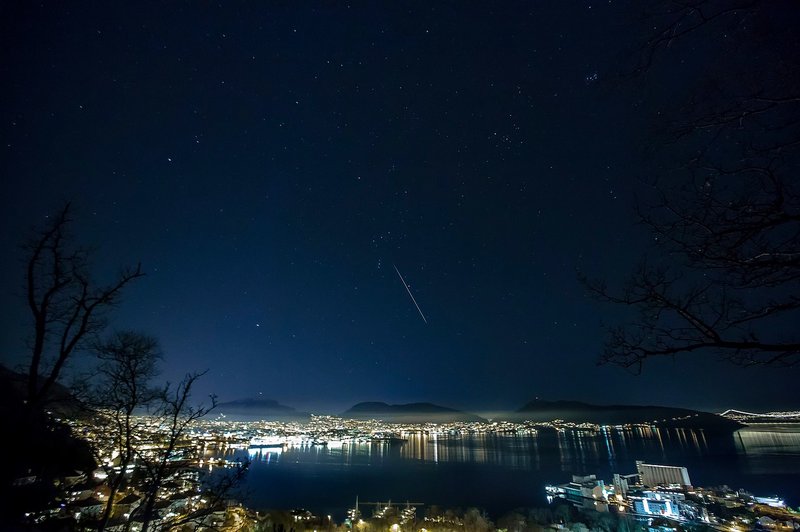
(271, 164)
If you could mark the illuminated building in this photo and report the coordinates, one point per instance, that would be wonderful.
(651, 475)
(622, 483)
(655, 504)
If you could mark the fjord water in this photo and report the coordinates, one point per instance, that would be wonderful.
(501, 472)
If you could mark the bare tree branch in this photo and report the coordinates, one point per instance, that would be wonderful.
(724, 274)
(174, 416)
(66, 306)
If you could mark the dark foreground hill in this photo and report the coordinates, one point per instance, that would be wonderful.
(254, 408)
(14, 385)
(408, 413)
(40, 451)
(578, 412)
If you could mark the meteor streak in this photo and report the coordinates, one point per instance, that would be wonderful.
(410, 294)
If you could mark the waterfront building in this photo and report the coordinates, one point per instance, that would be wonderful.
(775, 502)
(654, 506)
(622, 484)
(583, 492)
(652, 475)
(670, 504)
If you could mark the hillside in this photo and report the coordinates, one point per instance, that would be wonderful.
(41, 447)
(577, 412)
(256, 408)
(408, 413)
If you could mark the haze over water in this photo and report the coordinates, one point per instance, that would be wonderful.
(500, 472)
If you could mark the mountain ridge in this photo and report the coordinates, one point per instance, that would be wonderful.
(253, 407)
(408, 412)
(580, 412)
(536, 410)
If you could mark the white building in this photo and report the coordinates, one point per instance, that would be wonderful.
(652, 475)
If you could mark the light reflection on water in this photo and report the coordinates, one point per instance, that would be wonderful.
(576, 449)
(499, 471)
(770, 449)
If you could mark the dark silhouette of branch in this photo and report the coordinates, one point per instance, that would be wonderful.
(66, 305)
(173, 417)
(674, 20)
(724, 274)
(145, 429)
(127, 366)
(217, 491)
(700, 318)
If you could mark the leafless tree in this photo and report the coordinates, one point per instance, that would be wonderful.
(173, 417)
(145, 426)
(668, 22)
(67, 307)
(128, 364)
(724, 274)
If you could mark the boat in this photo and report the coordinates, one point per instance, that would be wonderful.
(267, 442)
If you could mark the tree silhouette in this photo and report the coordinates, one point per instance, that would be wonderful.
(67, 307)
(724, 214)
(128, 363)
(173, 416)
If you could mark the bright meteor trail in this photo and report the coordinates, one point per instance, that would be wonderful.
(410, 294)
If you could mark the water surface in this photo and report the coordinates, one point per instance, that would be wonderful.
(500, 472)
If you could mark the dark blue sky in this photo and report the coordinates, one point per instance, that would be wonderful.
(270, 164)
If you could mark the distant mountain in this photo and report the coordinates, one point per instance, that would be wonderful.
(256, 408)
(577, 412)
(408, 413)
